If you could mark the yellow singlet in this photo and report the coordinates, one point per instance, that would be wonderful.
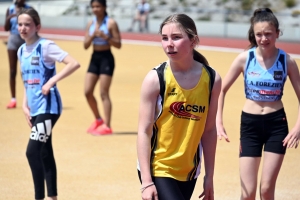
(180, 120)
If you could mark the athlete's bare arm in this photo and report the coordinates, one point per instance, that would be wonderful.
(293, 138)
(26, 109)
(235, 70)
(115, 39)
(71, 66)
(209, 140)
(88, 39)
(149, 94)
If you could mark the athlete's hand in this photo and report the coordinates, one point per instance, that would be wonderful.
(12, 15)
(221, 132)
(94, 34)
(26, 111)
(208, 187)
(101, 34)
(150, 193)
(46, 88)
(292, 139)
(98, 33)
(18, 10)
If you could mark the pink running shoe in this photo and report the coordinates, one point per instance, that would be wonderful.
(102, 130)
(12, 104)
(94, 125)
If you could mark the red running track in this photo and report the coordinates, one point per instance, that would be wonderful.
(290, 47)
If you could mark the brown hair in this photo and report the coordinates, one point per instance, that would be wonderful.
(188, 26)
(261, 15)
(33, 14)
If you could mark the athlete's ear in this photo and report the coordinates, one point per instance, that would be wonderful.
(278, 33)
(38, 28)
(195, 41)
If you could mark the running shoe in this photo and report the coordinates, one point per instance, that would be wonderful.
(12, 104)
(94, 125)
(102, 130)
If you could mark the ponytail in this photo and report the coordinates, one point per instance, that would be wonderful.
(199, 57)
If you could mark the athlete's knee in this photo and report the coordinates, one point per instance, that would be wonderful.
(104, 95)
(32, 154)
(45, 153)
(248, 195)
(267, 191)
(88, 94)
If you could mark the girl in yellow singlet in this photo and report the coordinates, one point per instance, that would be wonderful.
(177, 117)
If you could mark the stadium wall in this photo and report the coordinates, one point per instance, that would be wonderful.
(205, 28)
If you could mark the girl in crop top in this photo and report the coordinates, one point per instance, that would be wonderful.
(102, 32)
(263, 120)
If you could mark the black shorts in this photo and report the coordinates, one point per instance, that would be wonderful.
(267, 130)
(102, 62)
(171, 189)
